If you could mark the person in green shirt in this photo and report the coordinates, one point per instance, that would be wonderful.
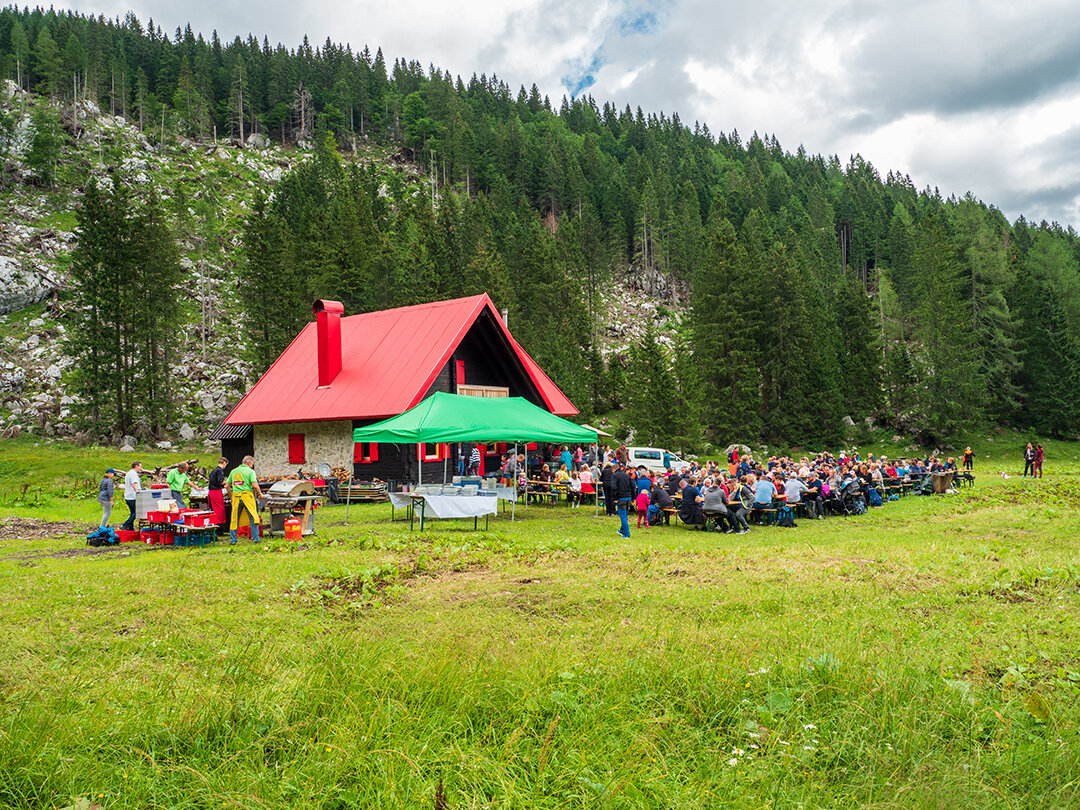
(243, 487)
(176, 480)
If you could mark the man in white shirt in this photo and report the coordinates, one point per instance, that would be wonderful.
(794, 488)
(132, 484)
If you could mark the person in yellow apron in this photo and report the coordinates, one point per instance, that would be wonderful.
(243, 488)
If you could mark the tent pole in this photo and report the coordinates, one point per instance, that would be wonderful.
(348, 494)
(513, 484)
(526, 475)
(444, 470)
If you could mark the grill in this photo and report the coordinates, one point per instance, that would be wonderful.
(286, 499)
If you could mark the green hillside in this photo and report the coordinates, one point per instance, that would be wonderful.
(771, 293)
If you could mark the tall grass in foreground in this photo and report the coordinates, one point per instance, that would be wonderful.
(673, 721)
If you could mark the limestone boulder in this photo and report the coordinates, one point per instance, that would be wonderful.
(12, 379)
(20, 287)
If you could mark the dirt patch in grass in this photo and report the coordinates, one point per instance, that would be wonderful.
(20, 528)
(345, 591)
(28, 557)
(1011, 596)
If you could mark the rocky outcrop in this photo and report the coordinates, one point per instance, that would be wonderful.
(12, 379)
(653, 282)
(21, 287)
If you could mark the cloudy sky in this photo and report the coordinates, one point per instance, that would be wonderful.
(965, 95)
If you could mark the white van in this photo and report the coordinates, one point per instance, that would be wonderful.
(652, 458)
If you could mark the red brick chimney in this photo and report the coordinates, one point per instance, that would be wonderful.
(328, 328)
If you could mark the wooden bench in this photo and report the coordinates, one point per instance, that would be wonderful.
(669, 513)
(536, 496)
(768, 512)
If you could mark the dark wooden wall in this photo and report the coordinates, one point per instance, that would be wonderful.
(235, 450)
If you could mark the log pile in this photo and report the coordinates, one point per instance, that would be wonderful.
(196, 473)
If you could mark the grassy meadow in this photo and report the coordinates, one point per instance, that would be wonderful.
(925, 655)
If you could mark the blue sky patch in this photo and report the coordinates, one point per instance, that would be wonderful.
(581, 77)
(643, 23)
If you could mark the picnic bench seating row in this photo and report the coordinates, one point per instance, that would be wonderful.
(767, 516)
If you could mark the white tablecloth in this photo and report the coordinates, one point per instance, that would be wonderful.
(401, 500)
(456, 506)
(448, 506)
(506, 493)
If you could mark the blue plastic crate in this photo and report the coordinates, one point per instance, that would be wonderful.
(196, 538)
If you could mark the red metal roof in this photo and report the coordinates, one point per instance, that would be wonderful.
(389, 361)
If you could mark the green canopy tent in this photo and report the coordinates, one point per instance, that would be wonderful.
(455, 418)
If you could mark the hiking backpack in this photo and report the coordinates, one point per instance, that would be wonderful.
(102, 537)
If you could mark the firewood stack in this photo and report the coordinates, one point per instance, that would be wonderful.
(159, 473)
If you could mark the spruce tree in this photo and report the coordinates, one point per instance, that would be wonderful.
(48, 66)
(125, 277)
(45, 145)
(652, 394)
(273, 296)
(949, 397)
(726, 330)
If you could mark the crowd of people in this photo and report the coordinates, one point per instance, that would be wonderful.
(731, 496)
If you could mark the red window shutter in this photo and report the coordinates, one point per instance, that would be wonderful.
(296, 448)
(364, 453)
(460, 372)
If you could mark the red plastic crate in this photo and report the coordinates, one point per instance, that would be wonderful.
(150, 536)
(197, 520)
(128, 535)
(244, 531)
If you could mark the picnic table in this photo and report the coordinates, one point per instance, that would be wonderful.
(550, 492)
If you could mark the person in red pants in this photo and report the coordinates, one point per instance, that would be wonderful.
(217, 493)
(642, 506)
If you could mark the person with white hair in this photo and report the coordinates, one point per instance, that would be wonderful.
(794, 487)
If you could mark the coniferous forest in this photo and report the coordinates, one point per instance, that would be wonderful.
(818, 288)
